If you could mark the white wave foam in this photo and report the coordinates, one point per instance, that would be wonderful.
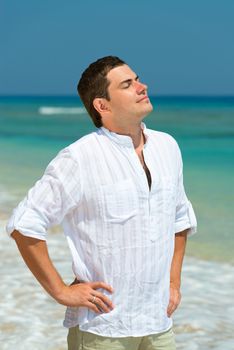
(45, 110)
(6, 197)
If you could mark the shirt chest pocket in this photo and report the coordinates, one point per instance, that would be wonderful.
(119, 201)
(166, 195)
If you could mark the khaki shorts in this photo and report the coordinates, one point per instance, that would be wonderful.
(78, 340)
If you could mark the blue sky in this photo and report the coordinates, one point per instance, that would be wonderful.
(176, 47)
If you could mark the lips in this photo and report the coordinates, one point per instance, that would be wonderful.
(143, 98)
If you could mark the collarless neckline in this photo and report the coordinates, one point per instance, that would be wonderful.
(124, 140)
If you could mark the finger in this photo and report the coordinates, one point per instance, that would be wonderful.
(171, 308)
(104, 299)
(170, 312)
(101, 305)
(93, 307)
(102, 285)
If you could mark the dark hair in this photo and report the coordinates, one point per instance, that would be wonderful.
(93, 83)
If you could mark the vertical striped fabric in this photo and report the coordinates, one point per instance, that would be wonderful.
(118, 230)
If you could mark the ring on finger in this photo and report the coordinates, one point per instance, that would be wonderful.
(93, 300)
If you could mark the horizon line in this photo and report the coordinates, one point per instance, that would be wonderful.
(153, 95)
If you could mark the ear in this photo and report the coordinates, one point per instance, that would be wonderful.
(101, 105)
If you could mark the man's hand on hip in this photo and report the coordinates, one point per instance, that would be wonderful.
(86, 294)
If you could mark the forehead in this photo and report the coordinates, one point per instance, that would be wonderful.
(119, 74)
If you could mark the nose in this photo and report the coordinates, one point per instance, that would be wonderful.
(141, 88)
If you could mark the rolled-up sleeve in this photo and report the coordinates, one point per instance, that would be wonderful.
(185, 217)
(51, 198)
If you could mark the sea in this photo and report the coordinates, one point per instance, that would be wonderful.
(33, 129)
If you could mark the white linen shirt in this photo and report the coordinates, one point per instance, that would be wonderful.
(119, 231)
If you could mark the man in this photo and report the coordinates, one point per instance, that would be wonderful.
(119, 195)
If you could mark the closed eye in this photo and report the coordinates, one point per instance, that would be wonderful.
(127, 83)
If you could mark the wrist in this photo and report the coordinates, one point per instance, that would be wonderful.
(175, 284)
(60, 294)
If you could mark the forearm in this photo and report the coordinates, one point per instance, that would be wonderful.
(36, 257)
(175, 273)
(177, 261)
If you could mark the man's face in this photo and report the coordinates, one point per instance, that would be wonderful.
(128, 96)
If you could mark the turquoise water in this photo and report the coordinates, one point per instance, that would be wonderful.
(34, 129)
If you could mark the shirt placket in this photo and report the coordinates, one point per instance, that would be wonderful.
(143, 188)
(153, 215)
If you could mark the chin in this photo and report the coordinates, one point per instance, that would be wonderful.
(148, 110)
(150, 106)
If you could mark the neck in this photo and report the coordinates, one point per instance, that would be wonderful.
(133, 131)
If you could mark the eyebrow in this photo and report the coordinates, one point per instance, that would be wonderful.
(128, 80)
